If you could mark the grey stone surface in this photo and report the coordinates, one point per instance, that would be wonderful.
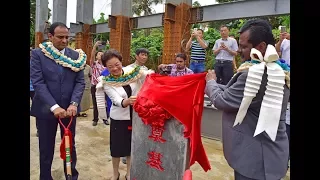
(175, 151)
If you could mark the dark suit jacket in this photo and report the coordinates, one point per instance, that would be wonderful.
(254, 157)
(53, 84)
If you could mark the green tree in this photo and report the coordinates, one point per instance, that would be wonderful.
(196, 4)
(101, 36)
(153, 42)
(33, 20)
(145, 7)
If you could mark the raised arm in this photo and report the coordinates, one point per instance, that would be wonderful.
(93, 53)
(202, 42)
(189, 43)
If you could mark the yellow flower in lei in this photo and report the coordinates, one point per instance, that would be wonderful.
(53, 53)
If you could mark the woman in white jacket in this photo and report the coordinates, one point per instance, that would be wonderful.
(122, 86)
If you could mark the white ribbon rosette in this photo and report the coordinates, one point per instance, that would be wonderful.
(271, 106)
(101, 99)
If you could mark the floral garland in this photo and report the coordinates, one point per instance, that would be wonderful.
(53, 53)
(124, 79)
(282, 63)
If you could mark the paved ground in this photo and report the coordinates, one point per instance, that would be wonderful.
(94, 160)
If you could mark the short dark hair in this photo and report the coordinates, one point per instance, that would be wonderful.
(260, 30)
(142, 50)
(109, 54)
(55, 25)
(95, 55)
(222, 26)
(182, 55)
(200, 30)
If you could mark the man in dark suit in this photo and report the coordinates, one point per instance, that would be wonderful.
(254, 154)
(58, 91)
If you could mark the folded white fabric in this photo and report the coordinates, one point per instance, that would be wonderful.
(270, 111)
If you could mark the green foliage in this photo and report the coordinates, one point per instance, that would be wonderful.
(153, 42)
(102, 36)
(145, 6)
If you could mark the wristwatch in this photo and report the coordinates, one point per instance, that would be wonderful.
(74, 103)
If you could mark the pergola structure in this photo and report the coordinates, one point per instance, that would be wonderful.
(176, 20)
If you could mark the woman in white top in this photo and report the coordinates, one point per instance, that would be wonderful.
(122, 86)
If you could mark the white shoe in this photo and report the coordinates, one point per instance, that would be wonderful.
(213, 106)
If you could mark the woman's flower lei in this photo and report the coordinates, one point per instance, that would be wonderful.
(124, 79)
(53, 53)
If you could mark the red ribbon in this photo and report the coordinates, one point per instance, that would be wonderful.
(67, 132)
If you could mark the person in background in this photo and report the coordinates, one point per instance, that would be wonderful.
(234, 58)
(32, 94)
(141, 58)
(198, 51)
(105, 72)
(225, 49)
(97, 68)
(85, 101)
(177, 69)
(283, 47)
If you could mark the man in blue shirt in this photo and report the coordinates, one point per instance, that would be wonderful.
(198, 51)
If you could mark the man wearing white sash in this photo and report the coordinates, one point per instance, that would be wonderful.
(254, 104)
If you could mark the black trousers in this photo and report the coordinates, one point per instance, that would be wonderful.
(224, 71)
(94, 103)
(47, 136)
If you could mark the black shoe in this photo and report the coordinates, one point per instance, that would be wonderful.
(94, 123)
(105, 122)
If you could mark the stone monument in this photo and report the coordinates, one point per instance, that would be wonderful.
(158, 154)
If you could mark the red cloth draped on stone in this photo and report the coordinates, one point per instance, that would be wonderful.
(67, 132)
(183, 98)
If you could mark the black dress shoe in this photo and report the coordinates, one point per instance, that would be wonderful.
(106, 122)
(94, 123)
